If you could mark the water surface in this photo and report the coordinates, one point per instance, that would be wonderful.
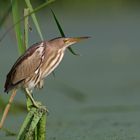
(95, 95)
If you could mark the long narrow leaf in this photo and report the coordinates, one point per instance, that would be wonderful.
(26, 124)
(16, 17)
(34, 18)
(41, 128)
(34, 124)
(26, 12)
(58, 24)
(62, 32)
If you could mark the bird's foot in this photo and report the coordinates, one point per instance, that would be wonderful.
(39, 106)
(44, 109)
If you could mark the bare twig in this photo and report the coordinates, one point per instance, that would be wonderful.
(7, 108)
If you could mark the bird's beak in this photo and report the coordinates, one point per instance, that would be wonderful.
(73, 40)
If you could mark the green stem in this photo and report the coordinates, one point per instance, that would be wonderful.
(26, 124)
(26, 25)
(34, 19)
(16, 18)
(41, 128)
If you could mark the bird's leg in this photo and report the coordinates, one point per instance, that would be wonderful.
(36, 104)
(40, 84)
(6, 110)
(31, 98)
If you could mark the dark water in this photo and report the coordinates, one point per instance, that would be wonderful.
(94, 96)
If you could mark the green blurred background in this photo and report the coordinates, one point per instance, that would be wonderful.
(95, 96)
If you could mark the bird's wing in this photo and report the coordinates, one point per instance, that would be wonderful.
(26, 65)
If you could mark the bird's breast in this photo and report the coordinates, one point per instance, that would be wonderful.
(51, 63)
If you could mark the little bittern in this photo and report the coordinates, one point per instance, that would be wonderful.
(37, 63)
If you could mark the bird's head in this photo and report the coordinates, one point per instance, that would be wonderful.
(65, 42)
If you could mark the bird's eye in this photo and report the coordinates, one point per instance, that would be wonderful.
(65, 41)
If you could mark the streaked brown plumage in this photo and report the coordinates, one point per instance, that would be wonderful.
(37, 63)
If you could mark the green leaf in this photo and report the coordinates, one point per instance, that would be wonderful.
(16, 17)
(34, 18)
(41, 128)
(58, 24)
(38, 120)
(26, 124)
(62, 32)
(26, 12)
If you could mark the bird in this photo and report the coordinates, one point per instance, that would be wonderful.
(36, 63)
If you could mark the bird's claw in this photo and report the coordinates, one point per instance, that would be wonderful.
(39, 106)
